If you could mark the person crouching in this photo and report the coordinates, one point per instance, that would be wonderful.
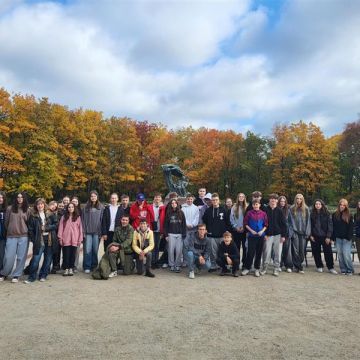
(228, 255)
(143, 244)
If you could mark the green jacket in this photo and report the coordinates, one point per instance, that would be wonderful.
(124, 237)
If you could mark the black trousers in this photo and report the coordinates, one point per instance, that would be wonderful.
(140, 263)
(222, 263)
(316, 250)
(240, 241)
(69, 254)
(255, 248)
(109, 240)
(56, 257)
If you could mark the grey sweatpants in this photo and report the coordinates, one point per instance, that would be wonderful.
(16, 248)
(214, 245)
(269, 244)
(175, 249)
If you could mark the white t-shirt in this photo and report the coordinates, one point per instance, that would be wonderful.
(43, 220)
(113, 211)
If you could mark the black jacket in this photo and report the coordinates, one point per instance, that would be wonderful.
(106, 219)
(217, 221)
(277, 222)
(231, 250)
(342, 229)
(321, 225)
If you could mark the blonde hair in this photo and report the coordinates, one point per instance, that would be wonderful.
(303, 206)
(344, 215)
(237, 205)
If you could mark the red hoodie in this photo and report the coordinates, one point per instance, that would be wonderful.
(137, 214)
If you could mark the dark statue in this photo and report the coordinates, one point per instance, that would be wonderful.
(179, 186)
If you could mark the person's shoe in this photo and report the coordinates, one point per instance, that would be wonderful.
(75, 270)
(87, 271)
(279, 269)
(245, 272)
(262, 272)
(257, 273)
(53, 271)
(148, 273)
(71, 272)
(333, 271)
(42, 279)
(2, 278)
(66, 272)
(349, 274)
(288, 270)
(113, 274)
(212, 270)
(177, 269)
(319, 270)
(223, 272)
(343, 273)
(165, 266)
(236, 274)
(198, 270)
(15, 280)
(27, 281)
(191, 275)
(276, 272)
(172, 268)
(301, 272)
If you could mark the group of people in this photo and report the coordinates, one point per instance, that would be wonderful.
(197, 233)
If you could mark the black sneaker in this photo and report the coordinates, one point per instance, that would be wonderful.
(223, 272)
(212, 270)
(149, 274)
(236, 274)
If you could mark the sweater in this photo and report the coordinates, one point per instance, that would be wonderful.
(300, 225)
(70, 233)
(231, 250)
(192, 214)
(256, 220)
(342, 229)
(276, 222)
(91, 220)
(236, 222)
(16, 223)
(143, 241)
(175, 224)
(321, 224)
(199, 247)
(216, 221)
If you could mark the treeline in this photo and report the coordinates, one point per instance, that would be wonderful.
(49, 150)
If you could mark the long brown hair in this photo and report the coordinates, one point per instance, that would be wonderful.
(237, 205)
(344, 215)
(178, 211)
(285, 209)
(75, 213)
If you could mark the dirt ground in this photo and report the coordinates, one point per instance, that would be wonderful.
(172, 317)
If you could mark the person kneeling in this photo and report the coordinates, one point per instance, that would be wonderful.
(197, 249)
(143, 244)
(228, 255)
(118, 251)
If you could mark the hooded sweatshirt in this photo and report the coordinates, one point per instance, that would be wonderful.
(192, 214)
(143, 241)
(216, 221)
(175, 224)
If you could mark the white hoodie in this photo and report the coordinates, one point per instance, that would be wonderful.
(191, 214)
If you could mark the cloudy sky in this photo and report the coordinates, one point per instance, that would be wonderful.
(227, 64)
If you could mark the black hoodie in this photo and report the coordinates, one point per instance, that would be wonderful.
(217, 221)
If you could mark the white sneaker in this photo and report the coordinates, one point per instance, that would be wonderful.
(113, 274)
(66, 272)
(245, 272)
(15, 280)
(2, 278)
(71, 273)
(262, 272)
(191, 275)
(257, 273)
(87, 271)
(165, 266)
(333, 271)
(276, 273)
(301, 272)
(42, 280)
(319, 270)
(288, 270)
(27, 282)
(279, 269)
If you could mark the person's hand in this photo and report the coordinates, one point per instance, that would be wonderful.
(141, 255)
(265, 237)
(166, 238)
(312, 238)
(260, 233)
(241, 229)
(104, 238)
(254, 232)
(228, 260)
(201, 260)
(327, 241)
(282, 240)
(114, 248)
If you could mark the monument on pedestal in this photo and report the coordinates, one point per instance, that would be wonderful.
(171, 172)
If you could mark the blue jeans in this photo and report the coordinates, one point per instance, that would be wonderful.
(15, 249)
(45, 268)
(343, 247)
(155, 257)
(91, 248)
(193, 259)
